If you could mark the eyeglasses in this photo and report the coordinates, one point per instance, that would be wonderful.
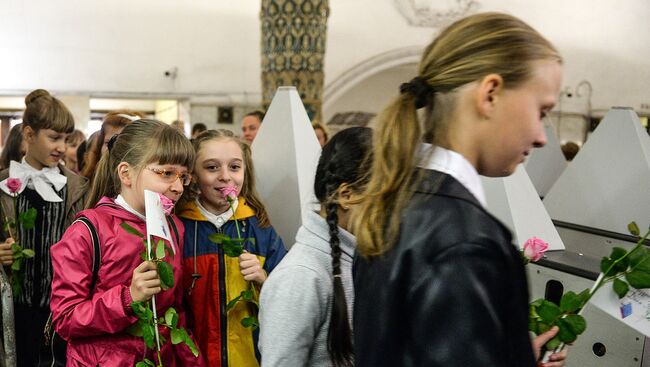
(172, 176)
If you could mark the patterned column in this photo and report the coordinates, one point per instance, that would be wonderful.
(293, 49)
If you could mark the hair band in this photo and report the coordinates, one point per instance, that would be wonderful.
(420, 90)
(130, 117)
(111, 142)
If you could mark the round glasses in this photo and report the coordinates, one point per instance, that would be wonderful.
(170, 176)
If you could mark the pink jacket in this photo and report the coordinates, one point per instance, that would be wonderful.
(94, 322)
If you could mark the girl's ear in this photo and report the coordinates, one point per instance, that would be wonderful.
(29, 134)
(124, 172)
(487, 94)
(344, 196)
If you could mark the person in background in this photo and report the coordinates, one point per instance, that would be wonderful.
(72, 143)
(198, 128)
(113, 123)
(438, 281)
(321, 134)
(570, 150)
(250, 125)
(15, 147)
(306, 303)
(57, 194)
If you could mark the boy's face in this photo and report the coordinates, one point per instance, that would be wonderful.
(45, 147)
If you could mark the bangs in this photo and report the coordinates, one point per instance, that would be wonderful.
(171, 147)
(56, 117)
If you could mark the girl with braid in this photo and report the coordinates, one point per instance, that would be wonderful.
(306, 303)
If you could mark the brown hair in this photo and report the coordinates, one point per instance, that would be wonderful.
(116, 119)
(75, 136)
(465, 52)
(248, 190)
(12, 151)
(140, 143)
(321, 128)
(43, 111)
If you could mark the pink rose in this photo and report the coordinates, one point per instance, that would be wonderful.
(167, 204)
(534, 249)
(14, 185)
(229, 192)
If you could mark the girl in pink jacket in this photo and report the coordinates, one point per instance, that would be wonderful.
(93, 319)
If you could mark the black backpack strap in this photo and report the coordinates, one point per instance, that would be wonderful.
(49, 334)
(97, 254)
(172, 224)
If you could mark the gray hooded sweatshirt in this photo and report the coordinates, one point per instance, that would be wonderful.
(296, 299)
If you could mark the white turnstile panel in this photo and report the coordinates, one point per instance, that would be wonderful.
(285, 154)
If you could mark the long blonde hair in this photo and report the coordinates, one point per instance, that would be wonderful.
(248, 190)
(140, 143)
(465, 52)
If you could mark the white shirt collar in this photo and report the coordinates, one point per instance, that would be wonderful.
(46, 181)
(454, 164)
(220, 219)
(119, 200)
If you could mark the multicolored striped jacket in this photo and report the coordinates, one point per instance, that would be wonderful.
(211, 279)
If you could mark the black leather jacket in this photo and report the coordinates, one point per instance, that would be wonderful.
(451, 292)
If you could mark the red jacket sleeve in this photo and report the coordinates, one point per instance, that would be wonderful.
(76, 312)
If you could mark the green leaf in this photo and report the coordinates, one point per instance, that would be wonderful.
(565, 333)
(232, 249)
(28, 218)
(15, 247)
(542, 328)
(17, 264)
(553, 343)
(250, 322)
(606, 266)
(620, 287)
(548, 311)
(190, 343)
(618, 254)
(537, 302)
(177, 336)
(640, 259)
(148, 335)
(170, 315)
(638, 279)
(166, 275)
(584, 296)
(28, 253)
(142, 364)
(160, 249)
(232, 303)
(143, 255)
(149, 363)
(247, 295)
(142, 310)
(131, 230)
(633, 228)
(218, 238)
(577, 323)
(570, 302)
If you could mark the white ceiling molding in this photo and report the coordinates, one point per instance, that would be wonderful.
(367, 68)
(435, 13)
